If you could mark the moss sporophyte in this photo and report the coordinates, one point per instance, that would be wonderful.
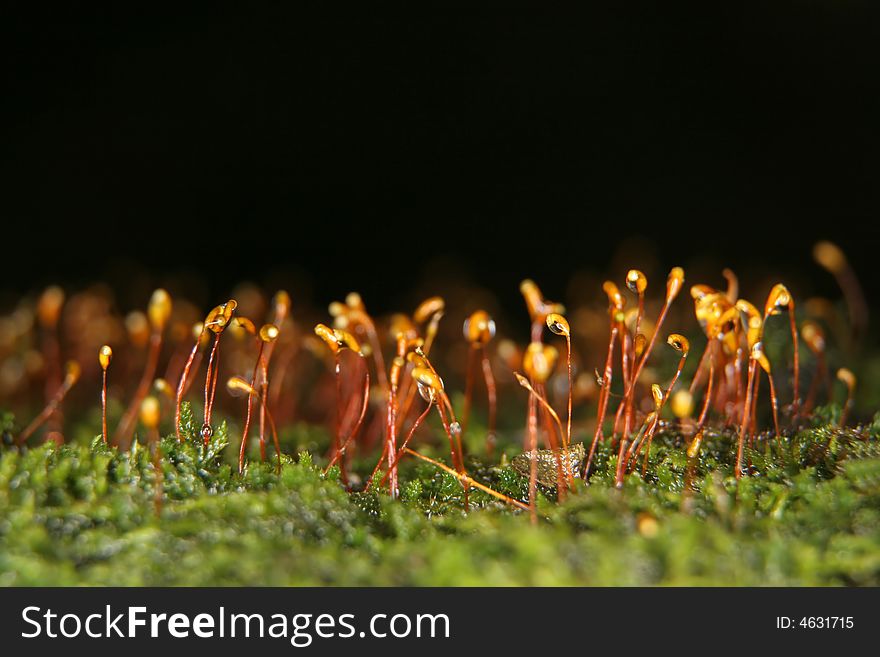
(655, 469)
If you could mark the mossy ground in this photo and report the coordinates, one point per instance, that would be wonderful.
(85, 514)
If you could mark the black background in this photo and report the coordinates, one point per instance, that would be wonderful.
(362, 150)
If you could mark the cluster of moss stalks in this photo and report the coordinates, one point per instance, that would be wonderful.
(809, 514)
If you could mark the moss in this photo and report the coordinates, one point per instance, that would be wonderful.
(86, 514)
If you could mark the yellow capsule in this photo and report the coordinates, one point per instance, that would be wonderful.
(636, 281)
(479, 327)
(238, 386)
(674, 283)
(105, 355)
(427, 377)
(532, 296)
(647, 525)
(344, 338)
(353, 300)
(268, 332)
(678, 342)
(228, 309)
(615, 298)
(657, 394)
(758, 354)
(699, 291)
(241, 327)
(813, 337)
(159, 309)
(558, 324)
(281, 303)
(163, 387)
(418, 359)
(402, 325)
(539, 361)
(830, 256)
(639, 344)
(846, 376)
(694, 446)
(150, 412)
(328, 335)
(682, 404)
(428, 308)
(49, 306)
(429, 384)
(138, 328)
(752, 322)
(216, 320)
(72, 370)
(779, 297)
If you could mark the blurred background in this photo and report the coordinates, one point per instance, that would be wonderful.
(403, 156)
(394, 153)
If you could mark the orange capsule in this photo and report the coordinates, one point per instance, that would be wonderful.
(238, 386)
(678, 342)
(281, 303)
(682, 404)
(159, 309)
(657, 395)
(479, 328)
(539, 361)
(558, 324)
(138, 328)
(49, 306)
(757, 354)
(674, 283)
(241, 327)
(105, 355)
(778, 298)
(72, 371)
(344, 338)
(429, 384)
(328, 335)
(847, 377)
(354, 301)
(150, 412)
(813, 337)
(636, 281)
(268, 332)
(830, 256)
(615, 298)
(428, 308)
(402, 325)
(752, 323)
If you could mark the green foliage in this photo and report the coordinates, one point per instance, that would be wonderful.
(809, 514)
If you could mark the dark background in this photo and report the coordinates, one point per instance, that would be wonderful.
(370, 151)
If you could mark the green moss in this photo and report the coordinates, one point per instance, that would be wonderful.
(86, 514)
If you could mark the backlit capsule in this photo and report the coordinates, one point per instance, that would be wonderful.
(678, 342)
(428, 308)
(778, 298)
(674, 283)
(539, 361)
(615, 298)
(105, 355)
(636, 281)
(268, 332)
(558, 324)
(159, 309)
(479, 328)
(149, 412)
(49, 306)
(829, 256)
